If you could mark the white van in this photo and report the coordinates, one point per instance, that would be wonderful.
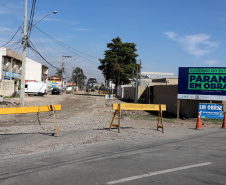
(69, 89)
(36, 88)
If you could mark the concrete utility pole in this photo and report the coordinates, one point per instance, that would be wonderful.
(73, 79)
(136, 85)
(140, 72)
(77, 82)
(22, 90)
(62, 71)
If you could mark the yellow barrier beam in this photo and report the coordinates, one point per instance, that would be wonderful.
(21, 110)
(134, 106)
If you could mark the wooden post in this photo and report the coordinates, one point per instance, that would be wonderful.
(178, 108)
(112, 120)
(160, 117)
(119, 117)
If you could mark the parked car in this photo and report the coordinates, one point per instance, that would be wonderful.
(55, 91)
(68, 89)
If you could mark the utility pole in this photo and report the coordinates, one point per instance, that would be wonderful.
(77, 81)
(136, 86)
(62, 72)
(133, 78)
(140, 72)
(22, 90)
(73, 79)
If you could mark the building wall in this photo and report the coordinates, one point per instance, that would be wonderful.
(166, 94)
(2, 53)
(6, 87)
(168, 81)
(172, 81)
(33, 70)
(129, 93)
(121, 90)
(141, 94)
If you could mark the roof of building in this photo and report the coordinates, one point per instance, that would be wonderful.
(157, 76)
(155, 73)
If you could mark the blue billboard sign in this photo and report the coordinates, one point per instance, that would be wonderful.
(202, 83)
(214, 111)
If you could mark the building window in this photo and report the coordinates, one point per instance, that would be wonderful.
(6, 64)
(20, 68)
(14, 68)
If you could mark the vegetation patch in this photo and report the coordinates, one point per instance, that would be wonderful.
(214, 121)
(140, 117)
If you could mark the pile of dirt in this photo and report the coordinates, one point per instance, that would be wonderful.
(6, 104)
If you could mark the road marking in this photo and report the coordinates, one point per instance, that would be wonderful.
(158, 173)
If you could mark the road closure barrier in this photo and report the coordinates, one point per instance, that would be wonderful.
(224, 121)
(36, 109)
(132, 106)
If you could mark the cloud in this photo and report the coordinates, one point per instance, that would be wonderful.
(171, 34)
(56, 20)
(197, 45)
(10, 8)
(211, 62)
(5, 29)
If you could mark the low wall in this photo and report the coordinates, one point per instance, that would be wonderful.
(142, 94)
(166, 94)
(6, 87)
(129, 93)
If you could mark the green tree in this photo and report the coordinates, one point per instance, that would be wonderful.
(79, 77)
(91, 81)
(59, 72)
(119, 64)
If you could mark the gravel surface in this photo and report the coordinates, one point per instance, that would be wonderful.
(84, 119)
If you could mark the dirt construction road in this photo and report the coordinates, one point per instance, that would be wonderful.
(84, 119)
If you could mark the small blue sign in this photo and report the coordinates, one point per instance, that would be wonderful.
(106, 96)
(109, 97)
(214, 111)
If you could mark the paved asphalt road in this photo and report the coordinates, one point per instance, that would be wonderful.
(195, 159)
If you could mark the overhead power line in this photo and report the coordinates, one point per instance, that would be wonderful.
(11, 37)
(35, 50)
(30, 23)
(68, 47)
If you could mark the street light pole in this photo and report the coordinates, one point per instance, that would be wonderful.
(73, 79)
(62, 71)
(24, 54)
(44, 17)
(24, 58)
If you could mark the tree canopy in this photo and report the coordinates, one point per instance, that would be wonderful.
(79, 77)
(59, 72)
(119, 64)
(91, 81)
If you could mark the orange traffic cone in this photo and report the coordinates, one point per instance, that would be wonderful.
(198, 125)
(224, 121)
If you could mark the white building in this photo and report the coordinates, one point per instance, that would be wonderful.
(11, 67)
